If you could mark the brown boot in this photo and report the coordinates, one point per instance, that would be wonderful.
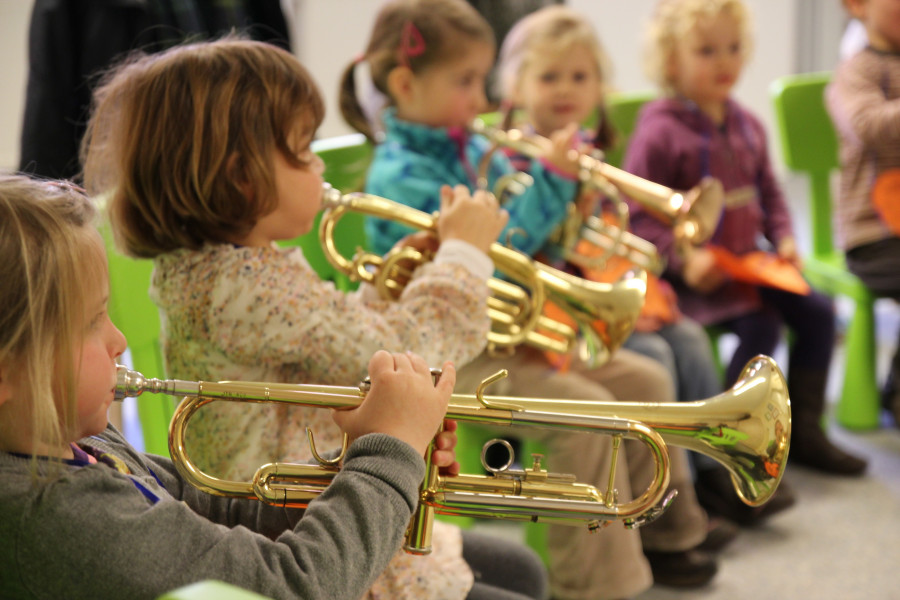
(810, 445)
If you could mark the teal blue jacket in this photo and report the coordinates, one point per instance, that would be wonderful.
(414, 160)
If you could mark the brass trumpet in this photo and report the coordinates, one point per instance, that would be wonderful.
(746, 428)
(693, 214)
(516, 312)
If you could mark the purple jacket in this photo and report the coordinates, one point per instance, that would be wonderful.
(676, 145)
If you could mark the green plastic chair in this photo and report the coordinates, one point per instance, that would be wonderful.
(131, 309)
(623, 109)
(211, 590)
(346, 159)
(809, 145)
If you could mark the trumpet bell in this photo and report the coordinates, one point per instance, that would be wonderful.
(697, 218)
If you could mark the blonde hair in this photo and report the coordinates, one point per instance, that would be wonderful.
(558, 29)
(674, 19)
(446, 29)
(182, 141)
(50, 256)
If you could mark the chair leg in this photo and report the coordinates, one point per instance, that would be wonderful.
(860, 405)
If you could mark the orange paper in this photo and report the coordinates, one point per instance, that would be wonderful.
(761, 268)
(886, 198)
(660, 305)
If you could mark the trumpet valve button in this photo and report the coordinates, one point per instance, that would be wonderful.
(595, 526)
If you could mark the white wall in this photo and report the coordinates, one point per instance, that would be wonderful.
(14, 15)
(329, 33)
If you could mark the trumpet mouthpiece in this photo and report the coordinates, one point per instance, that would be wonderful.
(130, 384)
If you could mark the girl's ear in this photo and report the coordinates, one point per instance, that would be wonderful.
(671, 69)
(400, 84)
(237, 176)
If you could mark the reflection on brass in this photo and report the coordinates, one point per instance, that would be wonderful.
(746, 428)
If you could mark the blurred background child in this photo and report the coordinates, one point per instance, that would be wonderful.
(553, 71)
(428, 59)
(696, 51)
(864, 103)
(204, 154)
(77, 498)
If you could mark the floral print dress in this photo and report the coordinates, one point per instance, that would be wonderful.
(263, 314)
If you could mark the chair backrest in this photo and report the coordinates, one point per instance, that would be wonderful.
(346, 159)
(623, 109)
(131, 309)
(808, 145)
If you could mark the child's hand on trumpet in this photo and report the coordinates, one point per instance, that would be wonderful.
(474, 218)
(701, 273)
(405, 403)
(563, 151)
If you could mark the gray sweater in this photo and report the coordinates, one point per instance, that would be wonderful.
(96, 533)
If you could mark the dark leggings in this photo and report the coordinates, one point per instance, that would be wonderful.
(504, 570)
(878, 266)
(809, 318)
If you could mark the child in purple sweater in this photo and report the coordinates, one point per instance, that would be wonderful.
(696, 53)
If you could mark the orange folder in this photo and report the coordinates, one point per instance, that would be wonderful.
(886, 198)
(761, 268)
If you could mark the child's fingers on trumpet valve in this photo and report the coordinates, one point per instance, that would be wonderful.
(403, 400)
(473, 218)
(444, 454)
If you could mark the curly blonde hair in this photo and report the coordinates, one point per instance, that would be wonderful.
(673, 20)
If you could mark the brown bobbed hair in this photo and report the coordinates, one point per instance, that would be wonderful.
(180, 144)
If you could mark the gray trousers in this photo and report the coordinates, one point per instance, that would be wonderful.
(609, 563)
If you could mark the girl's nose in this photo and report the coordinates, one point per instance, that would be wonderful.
(119, 343)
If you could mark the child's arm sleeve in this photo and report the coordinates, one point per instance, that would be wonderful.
(416, 184)
(295, 318)
(536, 213)
(129, 547)
(858, 107)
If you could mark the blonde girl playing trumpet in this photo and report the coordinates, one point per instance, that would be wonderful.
(85, 515)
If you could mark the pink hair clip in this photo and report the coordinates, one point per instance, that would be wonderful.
(412, 43)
